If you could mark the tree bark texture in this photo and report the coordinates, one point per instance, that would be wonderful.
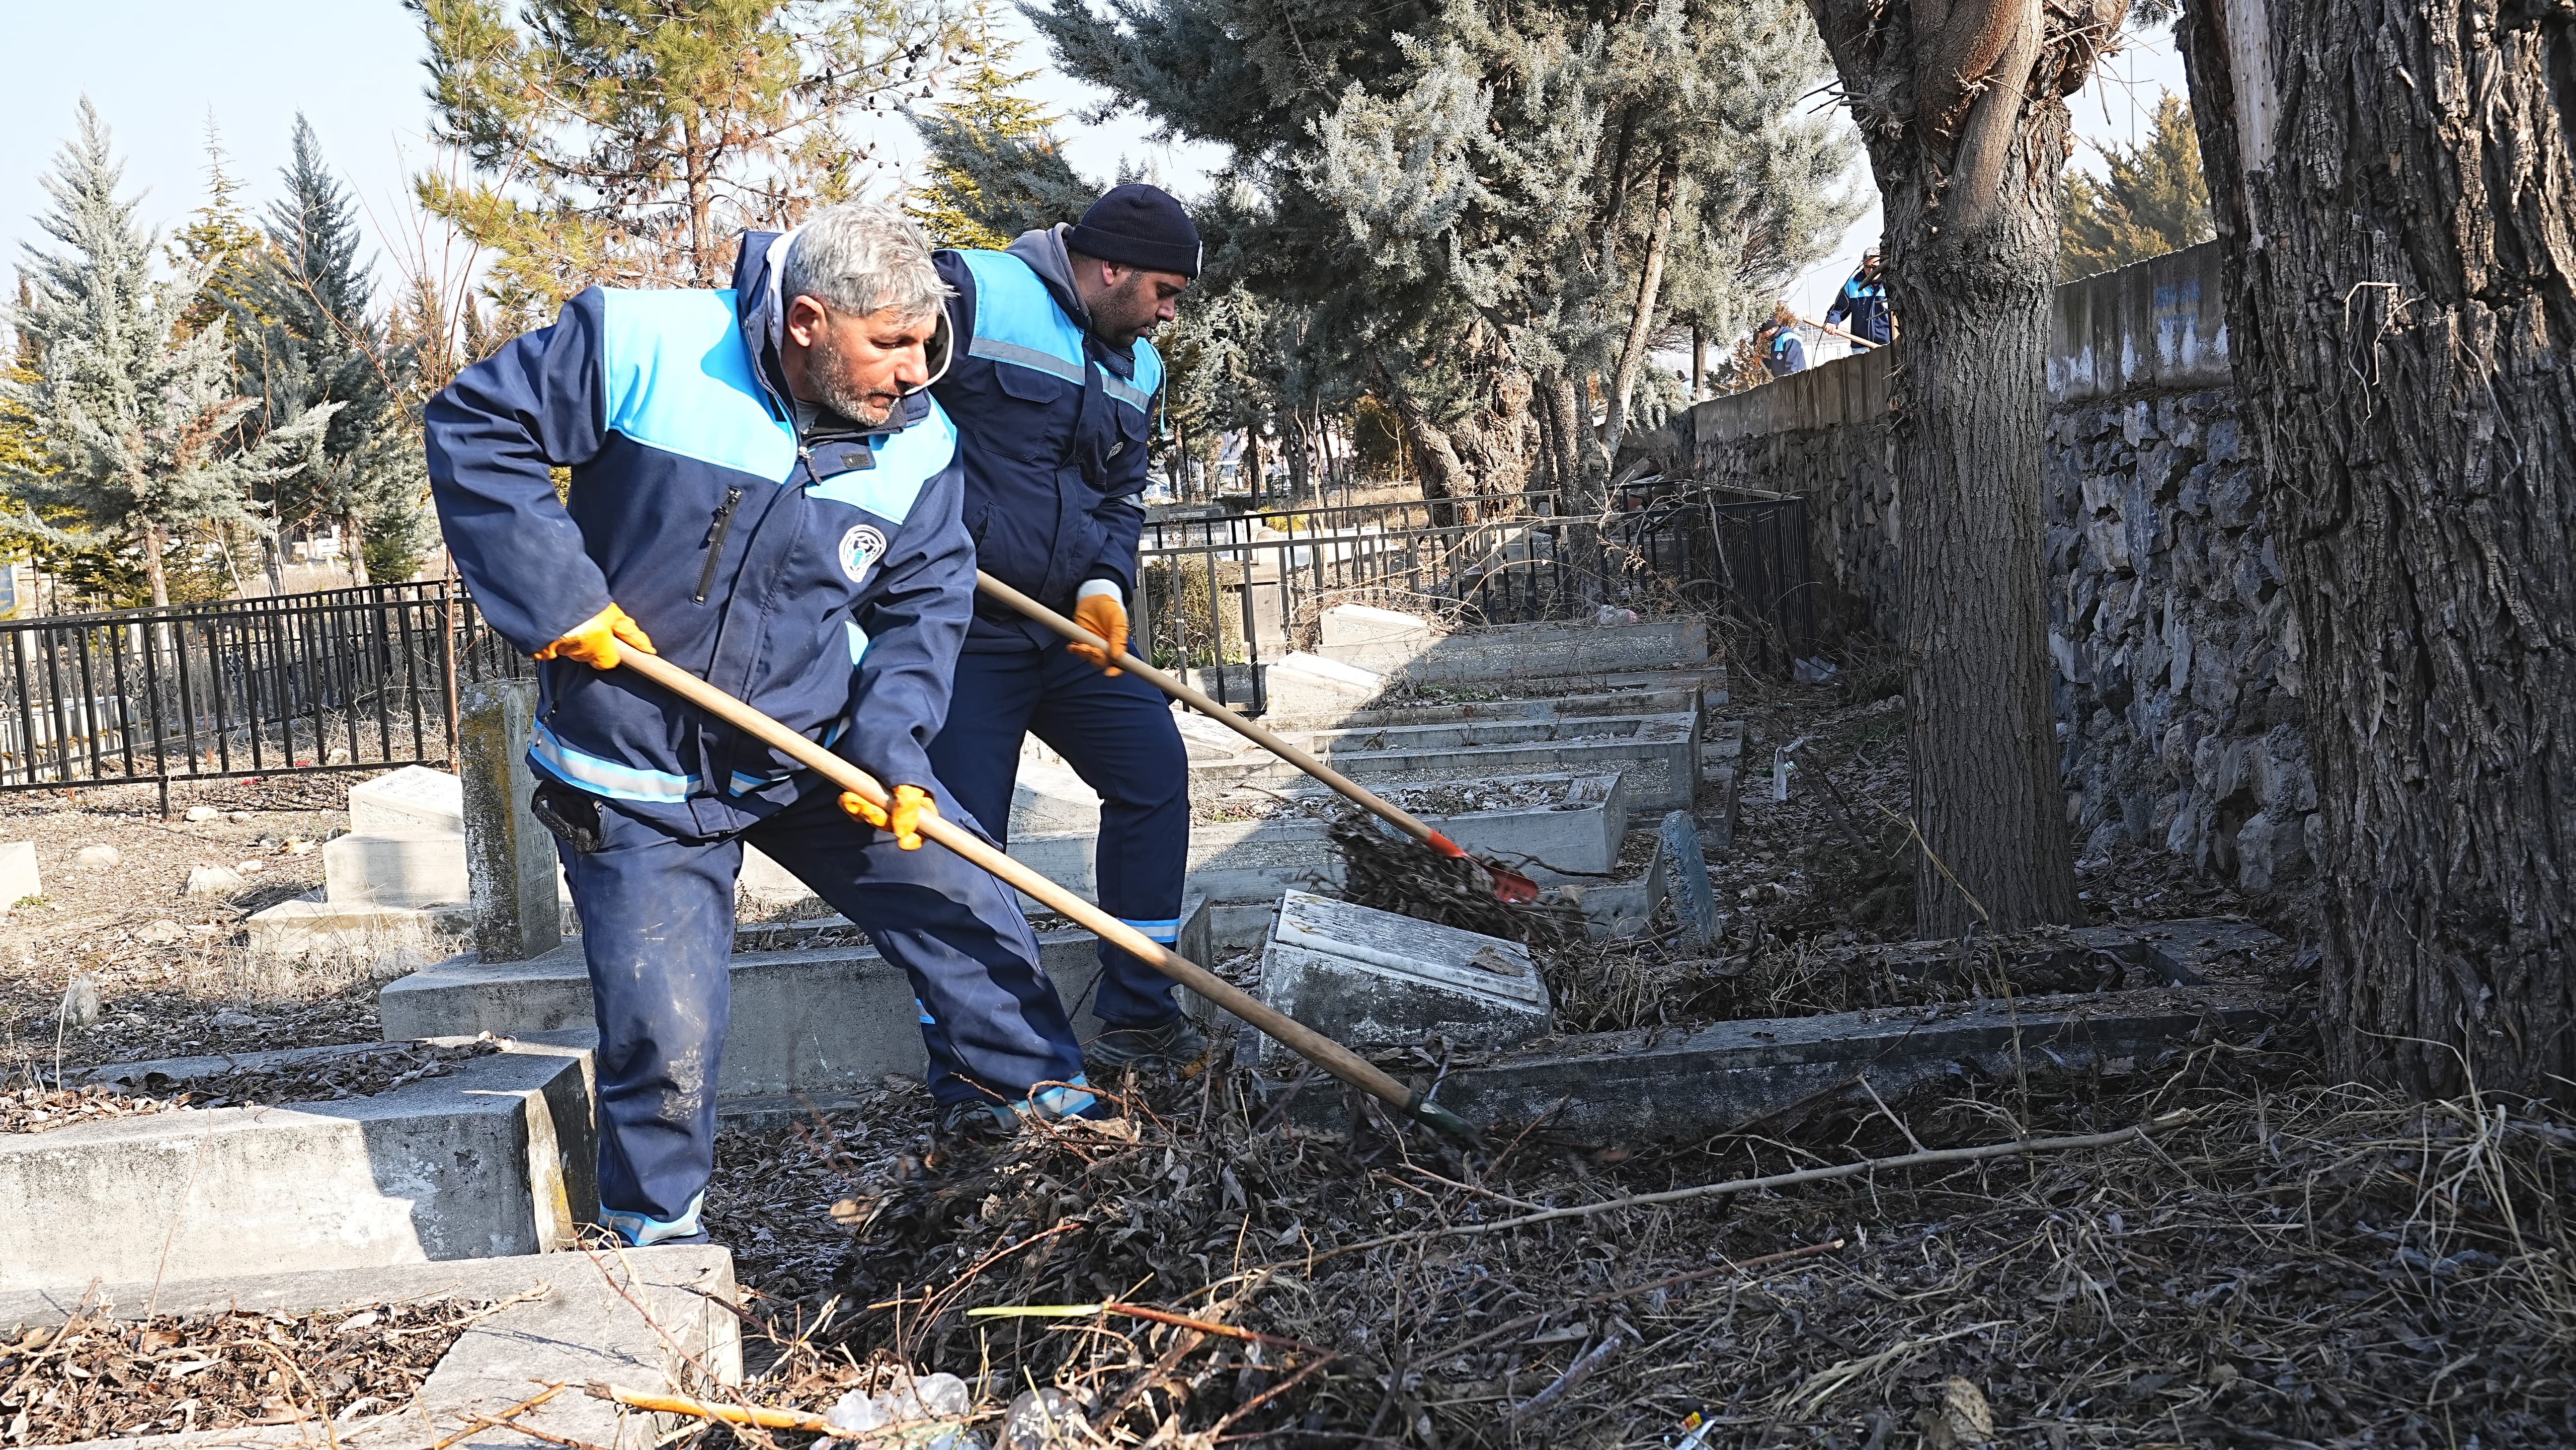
(1959, 103)
(1641, 318)
(2395, 190)
(156, 573)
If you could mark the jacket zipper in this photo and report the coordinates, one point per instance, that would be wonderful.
(715, 544)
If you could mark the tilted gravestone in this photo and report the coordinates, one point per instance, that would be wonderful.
(510, 859)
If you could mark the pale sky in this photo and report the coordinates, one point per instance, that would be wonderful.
(157, 68)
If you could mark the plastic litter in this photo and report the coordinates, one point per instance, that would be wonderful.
(1044, 1419)
(930, 1397)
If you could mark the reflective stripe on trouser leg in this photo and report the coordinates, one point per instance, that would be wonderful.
(657, 933)
(996, 1028)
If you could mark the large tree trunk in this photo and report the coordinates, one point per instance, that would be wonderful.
(1641, 319)
(2395, 189)
(1967, 139)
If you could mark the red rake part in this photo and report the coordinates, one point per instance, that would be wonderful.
(1509, 885)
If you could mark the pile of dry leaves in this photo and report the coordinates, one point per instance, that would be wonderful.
(96, 1376)
(32, 1109)
(2279, 1261)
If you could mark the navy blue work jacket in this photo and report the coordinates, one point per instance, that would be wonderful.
(1052, 425)
(825, 578)
(1861, 309)
(1786, 354)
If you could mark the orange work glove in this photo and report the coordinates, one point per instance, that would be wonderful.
(594, 641)
(911, 803)
(1104, 616)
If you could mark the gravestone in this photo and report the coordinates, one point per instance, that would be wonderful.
(414, 798)
(18, 879)
(1686, 879)
(1369, 978)
(510, 859)
(401, 867)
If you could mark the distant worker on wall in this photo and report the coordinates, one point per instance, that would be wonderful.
(1861, 307)
(1778, 343)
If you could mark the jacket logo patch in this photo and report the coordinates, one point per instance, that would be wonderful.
(861, 547)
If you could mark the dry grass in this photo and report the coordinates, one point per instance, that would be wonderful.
(2300, 1263)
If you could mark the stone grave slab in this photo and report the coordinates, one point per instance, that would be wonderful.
(1686, 879)
(645, 1319)
(407, 867)
(1369, 978)
(806, 1021)
(496, 1157)
(414, 798)
(1679, 1083)
(1369, 638)
(292, 928)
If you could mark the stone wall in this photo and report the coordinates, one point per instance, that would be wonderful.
(2177, 656)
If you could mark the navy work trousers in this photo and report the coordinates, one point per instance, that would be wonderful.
(657, 920)
(1118, 735)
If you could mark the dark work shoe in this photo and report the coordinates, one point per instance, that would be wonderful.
(1176, 1045)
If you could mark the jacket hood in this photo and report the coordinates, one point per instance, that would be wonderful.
(1043, 249)
(759, 267)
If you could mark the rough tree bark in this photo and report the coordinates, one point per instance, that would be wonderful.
(2395, 188)
(154, 539)
(1641, 318)
(1960, 104)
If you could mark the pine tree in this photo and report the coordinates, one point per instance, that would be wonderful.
(322, 347)
(629, 141)
(2154, 201)
(1475, 209)
(218, 243)
(132, 419)
(985, 129)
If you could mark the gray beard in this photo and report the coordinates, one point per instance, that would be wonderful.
(824, 371)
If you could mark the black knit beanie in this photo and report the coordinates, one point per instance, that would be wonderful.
(1137, 225)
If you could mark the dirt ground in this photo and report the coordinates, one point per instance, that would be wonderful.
(200, 991)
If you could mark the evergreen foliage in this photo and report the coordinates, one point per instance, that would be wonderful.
(2153, 202)
(320, 346)
(217, 242)
(630, 141)
(132, 418)
(1468, 208)
(986, 130)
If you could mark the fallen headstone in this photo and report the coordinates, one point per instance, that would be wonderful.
(1369, 978)
(1686, 879)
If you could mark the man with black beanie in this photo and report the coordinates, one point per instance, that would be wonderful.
(1053, 393)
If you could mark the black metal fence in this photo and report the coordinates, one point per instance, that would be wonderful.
(345, 679)
(1222, 593)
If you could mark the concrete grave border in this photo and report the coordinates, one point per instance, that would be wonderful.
(584, 1318)
(497, 1157)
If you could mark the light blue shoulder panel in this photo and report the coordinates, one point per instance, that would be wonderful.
(676, 377)
(1138, 394)
(1017, 321)
(905, 461)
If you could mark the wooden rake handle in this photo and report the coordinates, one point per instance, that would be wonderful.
(1306, 1042)
(1267, 739)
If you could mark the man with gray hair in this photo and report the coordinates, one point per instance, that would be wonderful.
(760, 476)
